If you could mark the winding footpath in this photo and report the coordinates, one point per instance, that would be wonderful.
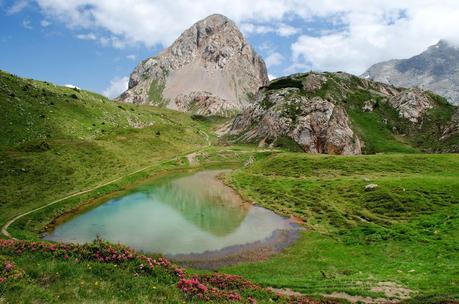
(4, 230)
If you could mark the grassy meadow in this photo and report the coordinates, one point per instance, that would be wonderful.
(401, 236)
(405, 231)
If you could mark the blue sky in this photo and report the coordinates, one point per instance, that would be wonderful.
(55, 53)
(96, 44)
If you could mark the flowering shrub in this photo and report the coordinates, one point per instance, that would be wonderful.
(228, 282)
(207, 287)
(8, 270)
(193, 288)
(179, 272)
(8, 266)
(306, 300)
(99, 251)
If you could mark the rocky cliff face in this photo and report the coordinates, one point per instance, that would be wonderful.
(436, 69)
(338, 113)
(210, 70)
(314, 124)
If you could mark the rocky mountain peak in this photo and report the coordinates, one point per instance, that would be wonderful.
(442, 44)
(436, 69)
(210, 69)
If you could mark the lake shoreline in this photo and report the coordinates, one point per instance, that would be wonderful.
(237, 254)
(211, 259)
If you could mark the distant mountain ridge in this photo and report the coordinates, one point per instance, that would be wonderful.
(210, 70)
(436, 69)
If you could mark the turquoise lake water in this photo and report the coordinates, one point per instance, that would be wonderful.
(181, 215)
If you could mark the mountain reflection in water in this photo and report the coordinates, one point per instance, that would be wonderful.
(181, 215)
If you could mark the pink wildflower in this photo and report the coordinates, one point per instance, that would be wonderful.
(9, 266)
(201, 287)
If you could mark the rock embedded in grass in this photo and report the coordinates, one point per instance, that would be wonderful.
(371, 187)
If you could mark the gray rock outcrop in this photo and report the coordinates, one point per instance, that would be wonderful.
(210, 70)
(314, 124)
(411, 104)
(339, 113)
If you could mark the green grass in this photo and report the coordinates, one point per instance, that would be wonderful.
(155, 93)
(405, 231)
(51, 280)
(59, 141)
(376, 135)
(54, 144)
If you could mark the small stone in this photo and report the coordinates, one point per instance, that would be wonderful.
(369, 105)
(371, 187)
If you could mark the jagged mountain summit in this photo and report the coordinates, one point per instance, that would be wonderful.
(436, 69)
(338, 113)
(210, 70)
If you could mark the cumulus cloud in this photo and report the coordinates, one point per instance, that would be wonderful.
(281, 29)
(145, 21)
(131, 57)
(72, 86)
(17, 7)
(45, 23)
(377, 33)
(286, 30)
(274, 59)
(26, 24)
(88, 36)
(358, 33)
(117, 86)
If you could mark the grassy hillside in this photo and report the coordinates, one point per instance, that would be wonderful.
(58, 141)
(405, 231)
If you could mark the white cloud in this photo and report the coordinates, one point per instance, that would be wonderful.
(362, 32)
(117, 86)
(267, 46)
(131, 57)
(71, 86)
(45, 23)
(271, 77)
(88, 36)
(274, 59)
(377, 33)
(286, 30)
(250, 28)
(26, 24)
(280, 29)
(114, 42)
(153, 22)
(17, 7)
